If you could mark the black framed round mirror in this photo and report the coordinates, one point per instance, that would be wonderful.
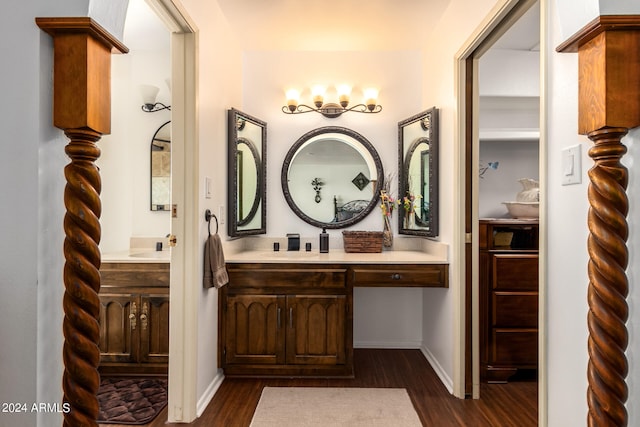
(331, 177)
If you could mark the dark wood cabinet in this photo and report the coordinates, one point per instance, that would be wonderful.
(134, 319)
(508, 297)
(296, 319)
(286, 319)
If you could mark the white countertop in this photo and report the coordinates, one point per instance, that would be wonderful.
(146, 256)
(337, 256)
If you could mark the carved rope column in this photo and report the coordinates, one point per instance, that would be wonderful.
(609, 105)
(82, 108)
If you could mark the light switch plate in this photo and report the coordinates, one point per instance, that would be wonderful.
(572, 165)
(207, 187)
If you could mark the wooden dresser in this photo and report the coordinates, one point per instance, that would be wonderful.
(508, 297)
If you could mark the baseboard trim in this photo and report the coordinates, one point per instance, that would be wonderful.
(387, 344)
(208, 394)
(441, 373)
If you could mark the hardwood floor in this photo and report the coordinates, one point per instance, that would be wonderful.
(501, 405)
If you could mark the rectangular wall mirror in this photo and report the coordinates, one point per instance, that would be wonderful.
(418, 170)
(246, 192)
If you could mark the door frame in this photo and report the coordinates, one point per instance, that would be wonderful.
(465, 242)
(183, 294)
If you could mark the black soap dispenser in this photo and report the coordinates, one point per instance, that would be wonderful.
(324, 241)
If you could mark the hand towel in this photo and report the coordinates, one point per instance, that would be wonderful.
(215, 272)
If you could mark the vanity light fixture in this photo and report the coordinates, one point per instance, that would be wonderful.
(332, 109)
(149, 94)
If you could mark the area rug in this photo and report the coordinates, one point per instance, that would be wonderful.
(131, 400)
(330, 406)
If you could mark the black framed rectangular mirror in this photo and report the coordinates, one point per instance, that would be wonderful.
(418, 170)
(246, 192)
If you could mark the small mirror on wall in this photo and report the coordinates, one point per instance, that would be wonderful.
(418, 166)
(161, 168)
(247, 149)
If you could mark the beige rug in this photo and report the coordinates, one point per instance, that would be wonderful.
(328, 407)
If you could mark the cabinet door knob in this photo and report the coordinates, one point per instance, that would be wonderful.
(396, 276)
(133, 315)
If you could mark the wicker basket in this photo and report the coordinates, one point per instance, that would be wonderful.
(362, 241)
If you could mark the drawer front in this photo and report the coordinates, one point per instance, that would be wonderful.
(514, 347)
(287, 277)
(515, 309)
(511, 271)
(401, 276)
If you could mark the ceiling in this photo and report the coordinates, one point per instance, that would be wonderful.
(335, 25)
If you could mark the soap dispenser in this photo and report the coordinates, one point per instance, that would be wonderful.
(324, 241)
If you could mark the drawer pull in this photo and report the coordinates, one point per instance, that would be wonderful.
(396, 276)
(291, 317)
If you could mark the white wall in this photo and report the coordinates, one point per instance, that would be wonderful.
(458, 21)
(517, 159)
(397, 74)
(219, 76)
(566, 246)
(125, 159)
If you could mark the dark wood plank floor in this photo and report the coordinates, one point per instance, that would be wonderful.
(501, 405)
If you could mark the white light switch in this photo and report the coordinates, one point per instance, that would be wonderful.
(207, 187)
(571, 165)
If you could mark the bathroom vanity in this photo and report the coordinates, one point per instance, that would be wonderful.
(134, 317)
(291, 313)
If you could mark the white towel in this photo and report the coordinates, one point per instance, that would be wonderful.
(215, 272)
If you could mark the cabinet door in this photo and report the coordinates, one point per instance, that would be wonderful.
(254, 329)
(119, 328)
(154, 328)
(316, 329)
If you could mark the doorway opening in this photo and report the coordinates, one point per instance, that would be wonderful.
(166, 56)
(478, 122)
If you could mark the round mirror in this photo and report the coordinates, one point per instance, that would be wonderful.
(332, 177)
(248, 170)
(161, 168)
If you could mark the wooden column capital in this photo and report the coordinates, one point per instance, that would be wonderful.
(608, 106)
(609, 72)
(82, 72)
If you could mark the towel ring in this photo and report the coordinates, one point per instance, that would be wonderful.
(207, 216)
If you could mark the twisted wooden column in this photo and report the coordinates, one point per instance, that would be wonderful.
(82, 279)
(609, 105)
(82, 108)
(608, 285)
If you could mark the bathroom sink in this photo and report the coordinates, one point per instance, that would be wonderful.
(151, 254)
